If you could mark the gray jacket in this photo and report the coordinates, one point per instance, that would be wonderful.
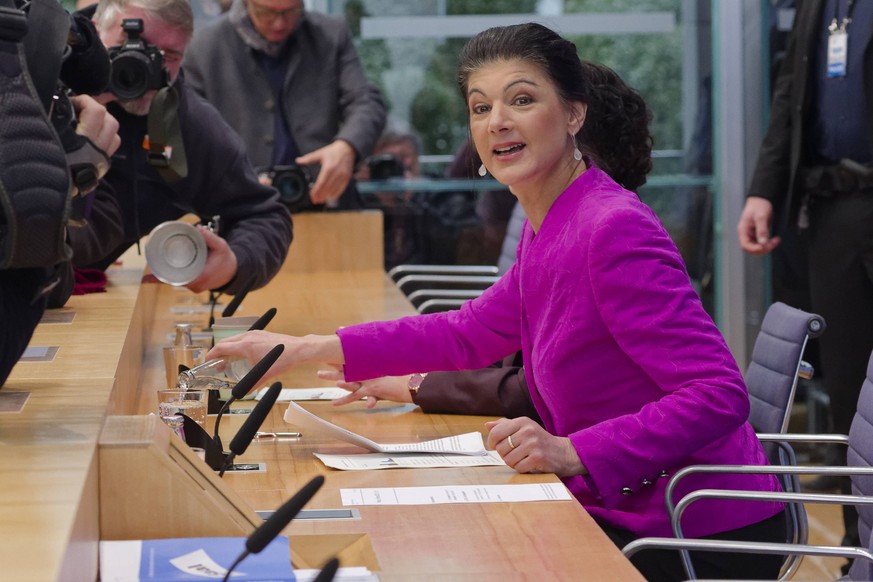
(326, 95)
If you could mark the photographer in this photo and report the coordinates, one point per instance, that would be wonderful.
(44, 158)
(395, 155)
(201, 168)
(290, 82)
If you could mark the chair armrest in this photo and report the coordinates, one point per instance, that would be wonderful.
(838, 439)
(420, 296)
(772, 496)
(757, 470)
(402, 270)
(438, 305)
(410, 283)
(782, 439)
(653, 543)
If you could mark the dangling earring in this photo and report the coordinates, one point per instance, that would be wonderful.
(577, 155)
(483, 170)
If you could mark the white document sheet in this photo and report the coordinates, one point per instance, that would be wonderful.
(465, 444)
(289, 394)
(369, 461)
(455, 494)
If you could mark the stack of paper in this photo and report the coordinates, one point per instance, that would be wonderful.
(465, 450)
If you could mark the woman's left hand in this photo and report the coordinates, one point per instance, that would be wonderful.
(529, 448)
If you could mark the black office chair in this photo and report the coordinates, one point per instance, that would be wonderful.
(433, 288)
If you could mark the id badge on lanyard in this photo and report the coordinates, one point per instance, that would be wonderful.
(838, 45)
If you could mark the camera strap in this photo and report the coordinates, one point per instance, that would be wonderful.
(166, 149)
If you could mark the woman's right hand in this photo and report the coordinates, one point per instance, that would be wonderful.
(254, 345)
(393, 388)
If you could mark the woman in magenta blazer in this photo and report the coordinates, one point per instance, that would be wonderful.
(629, 374)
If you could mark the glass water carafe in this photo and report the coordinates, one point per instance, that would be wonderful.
(216, 374)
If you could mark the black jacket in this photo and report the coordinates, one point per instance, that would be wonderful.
(220, 181)
(782, 151)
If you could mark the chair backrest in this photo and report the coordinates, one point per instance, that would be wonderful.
(511, 239)
(771, 379)
(860, 454)
(771, 376)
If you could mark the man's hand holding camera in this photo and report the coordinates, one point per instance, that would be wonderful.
(96, 124)
(337, 160)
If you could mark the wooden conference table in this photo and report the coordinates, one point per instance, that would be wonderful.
(84, 462)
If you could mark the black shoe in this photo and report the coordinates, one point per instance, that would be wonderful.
(822, 483)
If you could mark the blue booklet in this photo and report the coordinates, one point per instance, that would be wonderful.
(200, 559)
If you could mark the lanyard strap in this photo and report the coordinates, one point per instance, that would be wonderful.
(166, 149)
(847, 19)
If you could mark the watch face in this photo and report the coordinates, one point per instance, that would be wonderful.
(415, 382)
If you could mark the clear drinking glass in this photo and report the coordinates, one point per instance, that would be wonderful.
(191, 403)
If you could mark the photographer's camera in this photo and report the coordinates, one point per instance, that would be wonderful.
(385, 166)
(293, 183)
(137, 66)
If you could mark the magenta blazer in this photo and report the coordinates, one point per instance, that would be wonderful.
(620, 357)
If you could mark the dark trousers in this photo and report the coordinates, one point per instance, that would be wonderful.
(19, 313)
(840, 243)
(666, 565)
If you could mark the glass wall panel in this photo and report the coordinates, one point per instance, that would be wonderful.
(660, 47)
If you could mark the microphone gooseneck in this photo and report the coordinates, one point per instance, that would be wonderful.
(268, 531)
(283, 516)
(246, 434)
(263, 320)
(234, 303)
(247, 382)
(328, 571)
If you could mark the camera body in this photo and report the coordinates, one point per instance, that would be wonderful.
(137, 66)
(384, 166)
(293, 183)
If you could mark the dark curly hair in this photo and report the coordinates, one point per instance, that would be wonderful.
(616, 130)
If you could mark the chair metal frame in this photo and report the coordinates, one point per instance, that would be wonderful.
(419, 297)
(409, 283)
(401, 271)
(685, 545)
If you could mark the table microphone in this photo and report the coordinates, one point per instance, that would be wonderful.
(234, 303)
(246, 434)
(263, 320)
(248, 382)
(268, 531)
(328, 571)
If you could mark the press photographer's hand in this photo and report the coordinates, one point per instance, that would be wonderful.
(96, 124)
(337, 161)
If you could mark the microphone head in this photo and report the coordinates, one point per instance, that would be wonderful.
(246, 433)
(247, 382)
(328, 571)
(264, 320)
(234, 303)
(277, 522)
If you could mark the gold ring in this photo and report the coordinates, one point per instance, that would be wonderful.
(509, 440)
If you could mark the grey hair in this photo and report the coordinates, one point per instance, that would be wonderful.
(176, 13)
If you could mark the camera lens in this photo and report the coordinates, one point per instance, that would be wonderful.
(292, 187)
(130, 76)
